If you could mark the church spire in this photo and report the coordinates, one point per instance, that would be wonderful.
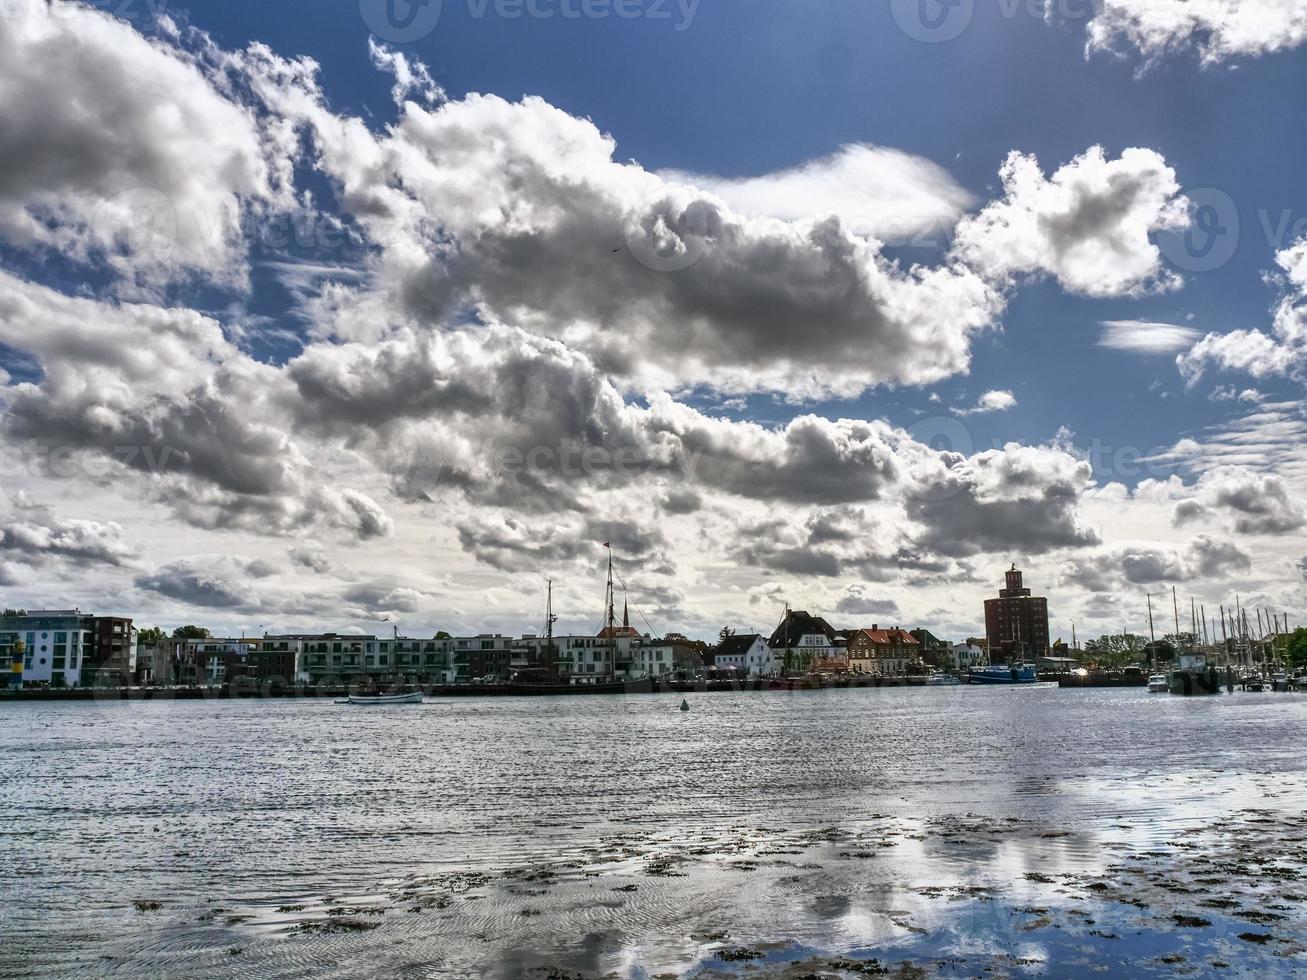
(626, 616)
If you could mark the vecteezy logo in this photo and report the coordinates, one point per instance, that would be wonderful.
(141, 223)
(942, 435)
(1211, 237)
(933, 21)
(400, 21)
(670, 231)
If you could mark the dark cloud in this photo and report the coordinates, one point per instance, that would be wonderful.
(1017, 500)
(37, 535)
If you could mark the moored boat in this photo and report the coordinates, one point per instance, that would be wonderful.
(1002, 674)
(942, 680)
(402, 697)
(1159, 684)
(1194, 676)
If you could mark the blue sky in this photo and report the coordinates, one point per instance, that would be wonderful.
(341, 413)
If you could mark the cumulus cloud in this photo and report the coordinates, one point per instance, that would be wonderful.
(164, 394)
(121, 150)
(1253, 502)
(1218, 29)
(859, 600)
(832, 542)
(509, 543)
(1143, 565)
(1089, 225)
(663, 283)
(206, 581)
(991, 401)
(1016, 500)
(1281, 352)
(34, 534)
(313, 559)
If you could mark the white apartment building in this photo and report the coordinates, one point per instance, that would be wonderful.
(967, 655)
(56, 644)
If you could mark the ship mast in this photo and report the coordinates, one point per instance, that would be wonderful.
(551, 662)
(612, 615)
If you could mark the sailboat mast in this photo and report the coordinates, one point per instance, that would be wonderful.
(551, 662)
(612, 635)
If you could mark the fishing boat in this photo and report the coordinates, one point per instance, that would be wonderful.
(402, 697)
(1194, 676)
(1159, 684)
(1002, 674)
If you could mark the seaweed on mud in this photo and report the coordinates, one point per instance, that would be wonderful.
(146, 905)
(336, 925)
(1191, 921)
(286, 909)
(868, 968)
(738, 954)
(1260, 938)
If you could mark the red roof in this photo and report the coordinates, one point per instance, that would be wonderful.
(894, 637)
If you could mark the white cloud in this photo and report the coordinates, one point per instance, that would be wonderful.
(1146, 338)
(1219, 29)
(1088, 226)
(121, 150)
(1280, 353)
(992, 401)
(877, 192)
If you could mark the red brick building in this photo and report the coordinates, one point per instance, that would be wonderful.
(1016, 623)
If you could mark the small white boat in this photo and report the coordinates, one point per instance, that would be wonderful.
(1159, 684)
(942, 680)
(410, 697)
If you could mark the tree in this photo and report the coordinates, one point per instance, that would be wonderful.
(1298, 648)
(15, 612)
(1116, 649)
(151, 636)
(191, 633)
(725, 634)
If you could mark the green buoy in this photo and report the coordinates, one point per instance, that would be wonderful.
(685, 705)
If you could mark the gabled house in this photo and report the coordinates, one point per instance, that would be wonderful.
(748, 653)
(806, 642)
(882, 652)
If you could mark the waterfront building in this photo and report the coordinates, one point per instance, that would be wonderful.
(70, 648)
(748, 653)
(806, 642)
(964, 656)
(933, 651)
(110, 660)
(1016, 622)
(882, 652)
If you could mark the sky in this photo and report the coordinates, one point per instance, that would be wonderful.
(358, 315)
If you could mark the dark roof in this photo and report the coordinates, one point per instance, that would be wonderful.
(735, 646)
(798, 625)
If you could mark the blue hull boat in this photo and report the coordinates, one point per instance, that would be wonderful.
(1024, 674)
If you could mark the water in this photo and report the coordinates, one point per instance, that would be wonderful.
(958, 829)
